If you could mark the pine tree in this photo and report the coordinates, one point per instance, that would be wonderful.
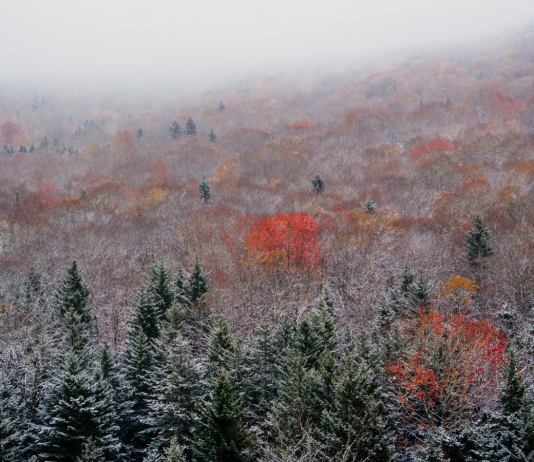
(221, 106)
(212, 136)
(175, 130)
(190, 127)
(478, 245)
(204, 189)
(318, 184)
(220, 434)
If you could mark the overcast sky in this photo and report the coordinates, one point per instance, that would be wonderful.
(207, 40)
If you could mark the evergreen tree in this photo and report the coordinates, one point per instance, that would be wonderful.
(212, 136)
(356, 427)
(175, 130)
(221, 106)
(369, 205)
(138, 367)
(72, 294)
(204, 189)
(220, 434)
(91, 452)
(158, 285)
(261, 366)
(197, 285)
(180, 287)
(175, 385)
(221, 348)
(478, 245)
(77, 408)
(190, 127)
(318, 184)
(517, 413)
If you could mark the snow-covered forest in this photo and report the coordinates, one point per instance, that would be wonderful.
(326, 268)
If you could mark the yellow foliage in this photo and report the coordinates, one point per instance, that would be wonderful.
(458, 283)
(155, 195)
(458, 290)
(93, 148)
(70, 201)
(509, 57)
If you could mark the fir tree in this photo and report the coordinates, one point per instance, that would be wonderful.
(478, 245)
(197, 285)
(158, 285)
(221, 106)
(356, 427)
(175, 130)
(72, 294)
(318, 184)
(138, 367)
(77, 408)
(175, 384)
(190, 127)
(221, 348)
(212, 136)
(204, 189)
(220, 434)
(369, 205)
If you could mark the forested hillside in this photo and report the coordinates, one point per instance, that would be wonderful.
(330, 268)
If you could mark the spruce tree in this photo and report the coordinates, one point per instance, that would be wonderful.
(221, 348)
(318, 184)
(174, 385)
(197, 285)
(357, 426)
(72, 294)
(477, 244)
(77, 408)
(220, 434)
(158, 285)
(212, 136)
(190, 127)
(138, 367)
(174, 130)
(204, 189)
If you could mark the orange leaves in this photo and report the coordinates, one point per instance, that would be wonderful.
(458, 291)
(432, 147)
(287, 240)
(160, 169)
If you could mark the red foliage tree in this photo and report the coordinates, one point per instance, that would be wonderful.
(285, 239)
(450, 367)
(431, 147)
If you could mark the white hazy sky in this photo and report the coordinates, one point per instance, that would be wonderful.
(108, 40)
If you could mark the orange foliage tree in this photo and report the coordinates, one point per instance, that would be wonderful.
(285, 239)
(451, 367)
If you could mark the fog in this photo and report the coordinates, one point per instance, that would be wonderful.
(197, 43)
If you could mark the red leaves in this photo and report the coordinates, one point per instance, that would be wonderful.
(432, 147)
(450, 366)
(285, 239)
